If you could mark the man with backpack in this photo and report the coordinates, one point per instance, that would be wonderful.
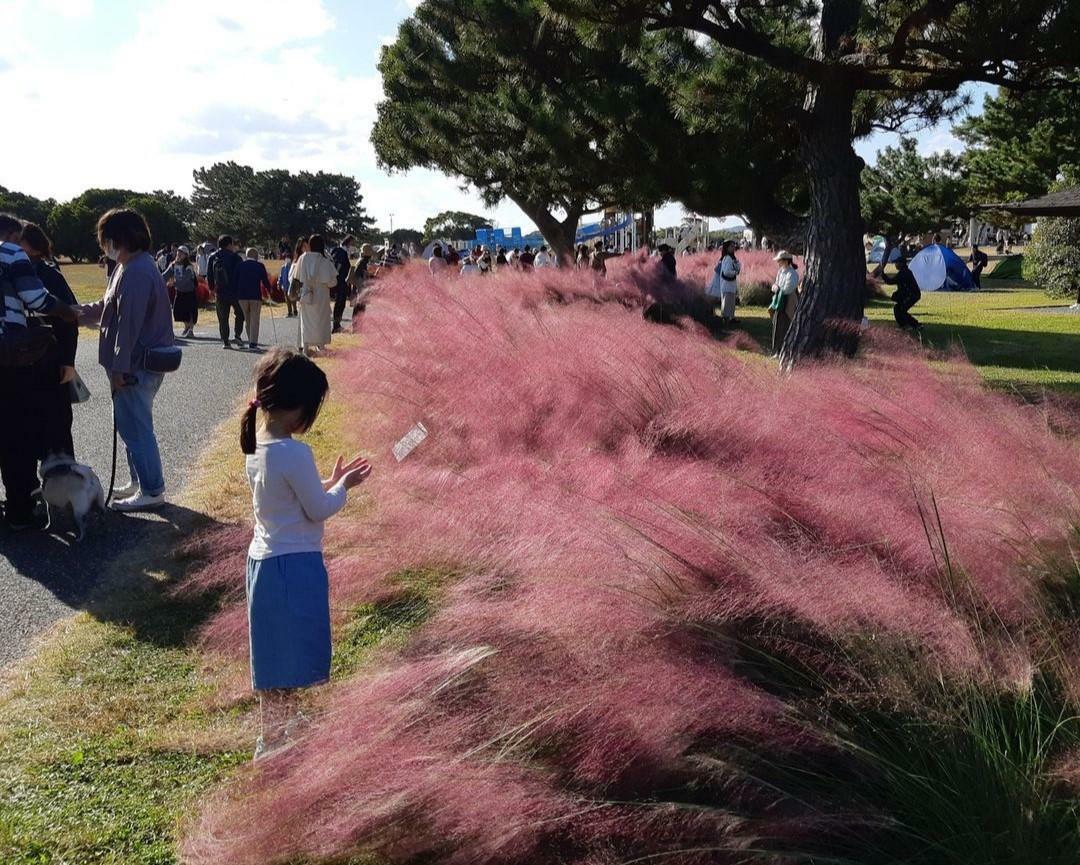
(21, 345)
(221, 277)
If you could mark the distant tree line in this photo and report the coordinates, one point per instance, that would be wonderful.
(257, 207)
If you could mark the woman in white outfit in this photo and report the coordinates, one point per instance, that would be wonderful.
(317, 276)
(724, 286)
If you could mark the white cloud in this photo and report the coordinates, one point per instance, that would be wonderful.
(146, 111)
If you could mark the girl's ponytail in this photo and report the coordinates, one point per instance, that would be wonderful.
(247, 427)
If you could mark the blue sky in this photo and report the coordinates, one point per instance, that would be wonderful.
(138, 93)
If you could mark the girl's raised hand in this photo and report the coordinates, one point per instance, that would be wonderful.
(356, 476)
(342, 468)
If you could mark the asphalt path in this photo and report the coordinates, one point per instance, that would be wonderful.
(44, 577)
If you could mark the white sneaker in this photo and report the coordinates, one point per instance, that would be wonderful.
(138, 502)
(125, 492)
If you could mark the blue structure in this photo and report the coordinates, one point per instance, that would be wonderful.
(496, 237)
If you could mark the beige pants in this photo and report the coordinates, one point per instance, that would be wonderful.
(252, 312)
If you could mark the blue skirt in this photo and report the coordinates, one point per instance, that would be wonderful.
(288, 599)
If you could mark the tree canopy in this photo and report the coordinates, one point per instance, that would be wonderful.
(907, 193)
(26, 206)
(886, 61)
(522, 107)
(454, 225)
(270, 205)
(73, 224)
(1019, 144)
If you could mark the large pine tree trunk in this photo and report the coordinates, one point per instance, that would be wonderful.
(830, 309)
(834, 285)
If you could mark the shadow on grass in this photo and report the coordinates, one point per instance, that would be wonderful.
(991, 346)
(122, 572)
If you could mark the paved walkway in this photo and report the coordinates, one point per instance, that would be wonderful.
(44, 577)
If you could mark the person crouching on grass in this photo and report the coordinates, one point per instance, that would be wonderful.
(287, 584)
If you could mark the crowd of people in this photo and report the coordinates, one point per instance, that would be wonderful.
(39, 338)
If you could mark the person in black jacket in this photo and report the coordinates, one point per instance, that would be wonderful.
(221, 277)
(907, 294)
(340, 255)
(978, 261)
(667, 259)
(52, 375)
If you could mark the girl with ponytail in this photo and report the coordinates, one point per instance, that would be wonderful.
(287, 584)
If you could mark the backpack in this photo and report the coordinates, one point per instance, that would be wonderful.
(221, 274)
(20, 346)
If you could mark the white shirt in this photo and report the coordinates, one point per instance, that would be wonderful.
(436, 264)
(542, 260)
(470, 270)
(787, 281)
(289, 500)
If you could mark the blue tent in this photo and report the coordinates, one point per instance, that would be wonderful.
(938, 268)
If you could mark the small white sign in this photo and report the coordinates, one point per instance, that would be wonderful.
(411, 441)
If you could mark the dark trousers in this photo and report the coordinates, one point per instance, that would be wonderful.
(900, 311)
(340, 299)
(781, 323)
(52, 406)
(18, 442)
(223, 307)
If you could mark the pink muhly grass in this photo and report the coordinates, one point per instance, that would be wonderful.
(619, 503)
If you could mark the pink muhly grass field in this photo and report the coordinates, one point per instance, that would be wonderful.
(624, 507)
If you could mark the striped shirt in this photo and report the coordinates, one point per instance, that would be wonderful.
(22, 289)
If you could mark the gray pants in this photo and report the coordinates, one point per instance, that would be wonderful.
(727, 305)
(252, 313)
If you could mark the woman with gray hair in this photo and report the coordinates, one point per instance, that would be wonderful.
(252, 285)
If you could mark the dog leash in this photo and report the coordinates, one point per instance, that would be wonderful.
(112, 474)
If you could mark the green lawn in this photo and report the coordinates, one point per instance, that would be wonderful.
(86, 280)
(1011, 345)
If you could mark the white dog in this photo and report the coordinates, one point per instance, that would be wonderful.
(72, 486)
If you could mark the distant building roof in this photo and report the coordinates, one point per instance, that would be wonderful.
(1063, 203)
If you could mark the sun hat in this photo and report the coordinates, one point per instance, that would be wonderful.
(184, 250)
(783, 255)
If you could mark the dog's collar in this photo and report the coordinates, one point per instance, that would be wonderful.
(56, 471)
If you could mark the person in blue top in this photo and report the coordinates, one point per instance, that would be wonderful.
(252, 285)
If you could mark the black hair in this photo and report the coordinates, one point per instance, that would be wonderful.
(316, 243)
(349, 240)
(9, 223)
(284, 379)
(126, 228)
(37, 240)
(224, 241)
